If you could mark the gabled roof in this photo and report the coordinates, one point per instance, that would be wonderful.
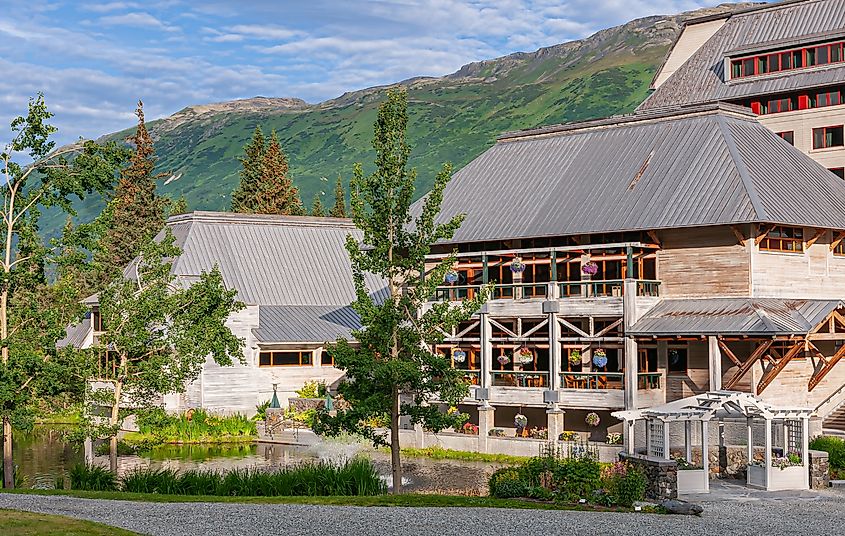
(734, 316)
(305, 323)
(269, 260)
(687, 167)
(778, 25)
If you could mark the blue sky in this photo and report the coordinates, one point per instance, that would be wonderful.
(93, 60)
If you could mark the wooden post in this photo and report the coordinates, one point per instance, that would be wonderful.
(629, 436)
(486, 331)
(767, 456)
(555, 353)
(667, 452)
(749, 422)
(805, 448)
(705, 456)
(715, 363)
(629, 316)
(688, 441)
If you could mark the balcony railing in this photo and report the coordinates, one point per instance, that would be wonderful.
(567, 289)
(607, 380)
(513, 378)
(472, 377)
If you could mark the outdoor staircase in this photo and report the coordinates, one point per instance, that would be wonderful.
(834, 423)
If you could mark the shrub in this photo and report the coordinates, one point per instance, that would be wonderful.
(151, 481)
(313, 389)
(92, 478)
(193, 426)
(577, 478)
(835, 448)
(625, 484)
(507, 483)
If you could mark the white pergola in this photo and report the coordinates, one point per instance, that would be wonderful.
(725, 406)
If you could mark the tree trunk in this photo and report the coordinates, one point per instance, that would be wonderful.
(115, 414)
(395, 461)
(8, 461)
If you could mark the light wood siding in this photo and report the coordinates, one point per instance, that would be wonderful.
(702, 263)
(696, 379)
(815, 274)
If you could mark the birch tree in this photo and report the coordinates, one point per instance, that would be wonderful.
(37, 176)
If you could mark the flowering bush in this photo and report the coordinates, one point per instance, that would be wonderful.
(469, 429)
(790, 460)
(569, 436)
(496, 432)
(614, 438)
(592, 419)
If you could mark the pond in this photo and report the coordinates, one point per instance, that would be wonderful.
(46, 453)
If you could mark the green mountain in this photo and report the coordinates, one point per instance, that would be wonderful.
(453, 118)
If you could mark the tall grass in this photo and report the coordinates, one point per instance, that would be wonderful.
(198, 426)
(92, 478)
(356, 477)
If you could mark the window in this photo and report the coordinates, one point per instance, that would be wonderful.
(786, 60)
(838, 171)
(839, 249)
(677, 358)
(789, 136)
(787, 102)
(828, 137)
(825, 98)
(326, 359)
(97, 321)
(285, 359)
(784, 104)
(781, 238)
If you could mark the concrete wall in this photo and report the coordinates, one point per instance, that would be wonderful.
(802, 123)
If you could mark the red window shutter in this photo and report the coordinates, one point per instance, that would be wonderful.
(755, 107)
(803, 102)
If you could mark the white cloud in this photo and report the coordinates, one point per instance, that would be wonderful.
(138, 19)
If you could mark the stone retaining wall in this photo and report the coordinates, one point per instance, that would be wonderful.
(819, 469)
(662, 475)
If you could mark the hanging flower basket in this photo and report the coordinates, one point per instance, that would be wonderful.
(503, 359)
(517, 266)
(575, 357)
(451, 277)
(523, 356)
(520, 421)
(590, 268)
(600, 358)
(459, 356)
(592, 419)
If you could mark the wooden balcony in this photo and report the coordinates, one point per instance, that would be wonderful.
(551, 290)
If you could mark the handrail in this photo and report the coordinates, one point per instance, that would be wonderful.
(837, 392)
(566, 289)
(524, 377)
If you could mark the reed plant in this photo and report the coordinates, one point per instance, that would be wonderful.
(195, 426)
(92, 478)
(356, 477)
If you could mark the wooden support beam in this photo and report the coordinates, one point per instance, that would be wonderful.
(826, 336)
(761, 234)
(810, 242)
(822, 371)
(653, 236)
(610, 327)
(573, 327)
(837, 239)
(778, 366)
(738, 234)
(729, 354)
(745, 367)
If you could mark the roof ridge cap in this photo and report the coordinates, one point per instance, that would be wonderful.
(742, 169)
(259, 219)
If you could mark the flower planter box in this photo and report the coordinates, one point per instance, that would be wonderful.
(692, 481)
(788, 478)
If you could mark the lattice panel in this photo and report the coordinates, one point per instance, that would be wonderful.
(656, 447)
(794, 436)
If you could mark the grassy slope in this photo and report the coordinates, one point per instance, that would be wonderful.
(454, 118)
(15, 523)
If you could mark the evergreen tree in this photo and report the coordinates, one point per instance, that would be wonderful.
(317, 208)
(394, 355)
(339, 208)
(135, 212)
(277, 193)
(245, 195)
(180, 206)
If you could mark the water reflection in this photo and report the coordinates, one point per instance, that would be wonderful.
(46, 453)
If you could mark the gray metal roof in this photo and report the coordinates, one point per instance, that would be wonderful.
(269, 260)
(75, 334)
(734, 316)
(697, 166)
(305, 323)
(702, 77)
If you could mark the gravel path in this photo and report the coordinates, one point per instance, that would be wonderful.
(805, 515)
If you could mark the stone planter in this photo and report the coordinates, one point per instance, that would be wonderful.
(692, 481)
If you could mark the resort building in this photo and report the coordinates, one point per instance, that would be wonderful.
(293, 275)
(785, 61)
(643, 259)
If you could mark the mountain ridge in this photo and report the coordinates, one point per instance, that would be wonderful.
(453, 117)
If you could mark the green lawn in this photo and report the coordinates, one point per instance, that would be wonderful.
(15, 523)
(409, 499)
